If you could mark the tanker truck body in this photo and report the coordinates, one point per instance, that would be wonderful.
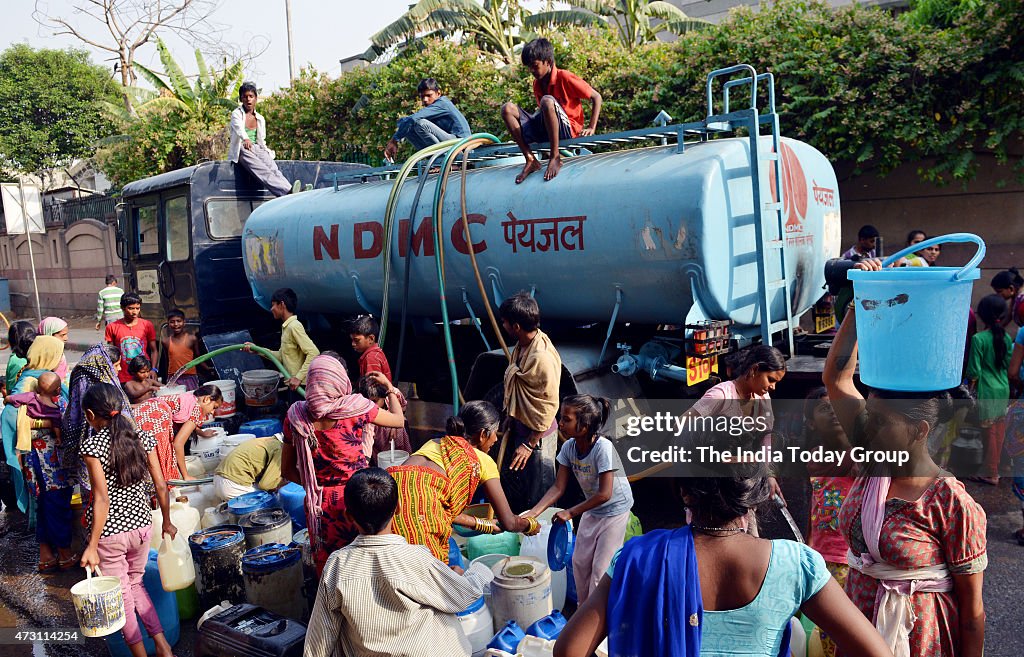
(671, 235)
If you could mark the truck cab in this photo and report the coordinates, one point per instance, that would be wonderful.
(179, 238)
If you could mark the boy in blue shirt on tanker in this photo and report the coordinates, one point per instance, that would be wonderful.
(438, 121)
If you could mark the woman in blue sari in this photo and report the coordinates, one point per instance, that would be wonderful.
(44, 355)
(712, 589)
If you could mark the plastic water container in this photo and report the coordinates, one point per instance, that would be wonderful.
(231, 442)
(266, 526)
(175, 563)
(455, 557)
(489, 560)
(217, 553)
(246, 630)
(521, 591)
(503, 543)
(392, 457)
(260, 387)
(508, 637)
(188, 602)
(243, 505)
(227, 390)
(194, 465)
(292, 498)
(166, 605)
(184, 517)
(548, 627)
(170, 391)
(216, 515)
(273, 579)
(262, 428)
(912, 321)
(495, 652)
(198, 497)
(478, 626)
(208, 450)
(532, 646)
(301, 538)
(537, 547)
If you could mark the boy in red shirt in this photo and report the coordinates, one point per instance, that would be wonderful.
(364, 341)
(131, 334)
(560, 113)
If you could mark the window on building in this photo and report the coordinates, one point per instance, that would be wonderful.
(226, 217)
(176, 216)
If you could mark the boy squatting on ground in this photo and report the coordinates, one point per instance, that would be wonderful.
(438, 121)
(560, 113)
(422, 594)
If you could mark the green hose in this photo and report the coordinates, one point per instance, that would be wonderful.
(266, 353)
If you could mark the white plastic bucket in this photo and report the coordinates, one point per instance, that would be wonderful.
(537, 547)
(99, 604)
(194, 465)
(521, 591)
(390, 457)
(167, 391)
(229, 443)
(227, 390)
(208, 450)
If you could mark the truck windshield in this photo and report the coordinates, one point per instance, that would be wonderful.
(226, 216)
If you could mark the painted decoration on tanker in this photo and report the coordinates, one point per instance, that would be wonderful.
(263, 254)
(832, 239)
(555, 234)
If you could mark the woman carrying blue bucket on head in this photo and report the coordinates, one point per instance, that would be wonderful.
(916, 537)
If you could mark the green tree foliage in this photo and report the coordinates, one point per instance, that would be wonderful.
(179, 125)
(869, 90)
(49, 112)
(636, 22)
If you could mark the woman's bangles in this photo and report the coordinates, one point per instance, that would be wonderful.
(485, 526)
(533, 527)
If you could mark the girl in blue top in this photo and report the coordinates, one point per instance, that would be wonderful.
(712, 589)
(604, 514)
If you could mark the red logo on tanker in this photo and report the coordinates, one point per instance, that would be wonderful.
(794, 189)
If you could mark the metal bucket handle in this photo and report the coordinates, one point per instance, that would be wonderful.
(943, 239)
(263, 397)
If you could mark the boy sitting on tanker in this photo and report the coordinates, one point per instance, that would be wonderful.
(438, 121)
(248, 145)
(560, 113)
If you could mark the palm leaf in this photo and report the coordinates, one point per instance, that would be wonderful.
(162, 102)
(599, 7)
(179, 82)
(682, 27)
(204, 80)
(154, 79)
(669, 13)
(564, 18)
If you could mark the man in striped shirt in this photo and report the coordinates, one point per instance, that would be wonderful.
(108, 307)
(381, 596)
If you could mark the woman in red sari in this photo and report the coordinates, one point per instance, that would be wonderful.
(323, 447)
(916, 537)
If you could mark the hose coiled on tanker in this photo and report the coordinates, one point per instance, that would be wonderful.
(389, 215)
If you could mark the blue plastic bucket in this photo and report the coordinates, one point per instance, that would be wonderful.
(912, 321)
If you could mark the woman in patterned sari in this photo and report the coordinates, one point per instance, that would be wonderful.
(439, 481)
(916, 537)
(323, 447)
(44, 355)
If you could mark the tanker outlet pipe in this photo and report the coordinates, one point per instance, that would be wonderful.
(652, 359)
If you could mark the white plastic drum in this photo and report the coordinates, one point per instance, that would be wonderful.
(521, 591)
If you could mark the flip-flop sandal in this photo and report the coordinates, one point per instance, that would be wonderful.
(48, 566)
(70, 563)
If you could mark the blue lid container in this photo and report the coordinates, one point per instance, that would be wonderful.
(549, 627)
(293, 500)
(473, 608)
(262, 428)
(166, 605)
(215, 538)
(270, 557)
(559, 546)
(508, 638)
(243, 505)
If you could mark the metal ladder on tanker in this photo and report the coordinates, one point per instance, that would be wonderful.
(767, 215)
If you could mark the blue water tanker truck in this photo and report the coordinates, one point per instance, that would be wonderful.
(642, 257)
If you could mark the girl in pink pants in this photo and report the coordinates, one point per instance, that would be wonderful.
(121, 463)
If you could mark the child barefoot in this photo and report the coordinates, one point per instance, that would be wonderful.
(143, 384)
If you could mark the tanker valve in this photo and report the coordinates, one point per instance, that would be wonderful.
(627, 364)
